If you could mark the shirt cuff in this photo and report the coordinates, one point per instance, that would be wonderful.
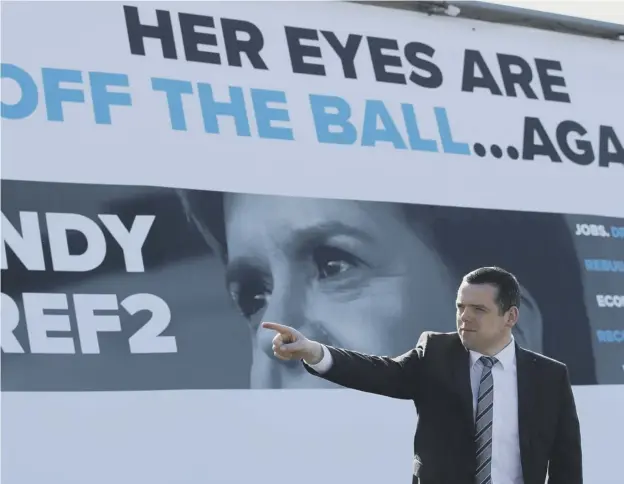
(325, 363)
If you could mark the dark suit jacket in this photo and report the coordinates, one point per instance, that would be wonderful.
(436, 377)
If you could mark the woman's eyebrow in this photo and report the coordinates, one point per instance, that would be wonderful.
(301, 239)
(307, 238)
(331, 229)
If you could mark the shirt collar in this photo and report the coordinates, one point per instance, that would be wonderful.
(505, 357)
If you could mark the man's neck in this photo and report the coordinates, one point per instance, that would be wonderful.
(501, 345)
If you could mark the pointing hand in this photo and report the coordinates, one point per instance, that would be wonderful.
(290, 344)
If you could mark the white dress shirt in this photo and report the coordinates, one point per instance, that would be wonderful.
(506, 465)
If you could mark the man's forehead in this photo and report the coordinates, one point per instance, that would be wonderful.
(480, 293)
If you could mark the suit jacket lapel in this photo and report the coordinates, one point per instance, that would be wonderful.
(526, 404)
(461, 376)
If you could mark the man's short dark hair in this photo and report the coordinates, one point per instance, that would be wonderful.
(506, 283)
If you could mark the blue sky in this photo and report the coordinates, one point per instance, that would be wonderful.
(605, 10)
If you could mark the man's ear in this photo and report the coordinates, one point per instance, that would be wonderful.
(528, 330)
(512, 316)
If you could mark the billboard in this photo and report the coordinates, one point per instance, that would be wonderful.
(175, 173)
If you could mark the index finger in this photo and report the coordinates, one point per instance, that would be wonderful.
(280, 328)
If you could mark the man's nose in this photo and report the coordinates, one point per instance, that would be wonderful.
(465, 316)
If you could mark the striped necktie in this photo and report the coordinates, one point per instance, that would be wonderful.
(483, 422)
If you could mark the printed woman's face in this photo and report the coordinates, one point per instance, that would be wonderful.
(346, 273)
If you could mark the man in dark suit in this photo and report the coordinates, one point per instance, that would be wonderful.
(490, 412)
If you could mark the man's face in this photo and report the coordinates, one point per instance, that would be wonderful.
(480, 323)
(346, 273)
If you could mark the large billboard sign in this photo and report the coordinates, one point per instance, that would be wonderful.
(175, 173)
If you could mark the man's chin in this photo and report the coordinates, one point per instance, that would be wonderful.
(468, 339)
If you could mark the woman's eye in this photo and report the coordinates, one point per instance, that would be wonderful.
(331, 261)
(250, 296)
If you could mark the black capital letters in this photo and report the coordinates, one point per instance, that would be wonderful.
(346, 52)
(193, 39)
(297, 51)
(532, 148)
(608, 136)
(234, 46)
(585, 154)
(548, 80)
(522, 79)
(434, 78)
(137, 32)
(381, 60)
(470, 79)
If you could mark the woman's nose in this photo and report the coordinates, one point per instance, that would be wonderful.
(292, 307)
(285, 306)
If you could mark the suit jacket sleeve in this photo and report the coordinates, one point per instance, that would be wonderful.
(566, 458)
(398, 377)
